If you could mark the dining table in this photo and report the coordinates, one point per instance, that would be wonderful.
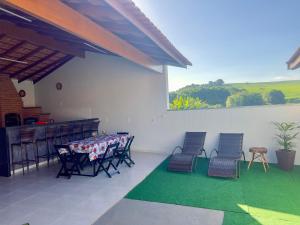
(94, 147)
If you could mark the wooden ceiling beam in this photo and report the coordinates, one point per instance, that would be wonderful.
(33, 65)
(24, 57)
(79, 25)
(33, 37)
(38, 26)
(12, 49)
(59, 64)
(2, 36)
(29, 76)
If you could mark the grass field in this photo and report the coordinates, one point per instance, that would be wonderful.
(291, 89)
(256, 198)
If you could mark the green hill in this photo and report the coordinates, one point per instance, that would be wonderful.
(291, 89)
(217, 94)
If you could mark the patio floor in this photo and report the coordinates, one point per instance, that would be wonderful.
(41, 199)
(270, 198)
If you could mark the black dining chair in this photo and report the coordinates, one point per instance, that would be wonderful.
(69, 161)
(123, 154)
(106, 160)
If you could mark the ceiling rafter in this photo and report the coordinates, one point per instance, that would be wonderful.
(29, 54)
(41, 69)
(2, 36)
(33, 65)
(59, 64)
(57, 34)
(12, 49)
(35, 38)
(71, 21)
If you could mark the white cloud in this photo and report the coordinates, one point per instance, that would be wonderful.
(282, 78)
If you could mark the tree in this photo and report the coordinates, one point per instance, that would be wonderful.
(275, 97)
(244, 99)
(212, 95)
(219, 82)
(172, 96)
(183, 103)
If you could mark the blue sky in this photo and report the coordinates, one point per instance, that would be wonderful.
(236, 40)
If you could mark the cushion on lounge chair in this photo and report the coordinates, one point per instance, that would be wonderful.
(181, 163)
(223, 167)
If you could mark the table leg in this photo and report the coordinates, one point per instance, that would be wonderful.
(95, 173)
(251, 161)
(263, 161)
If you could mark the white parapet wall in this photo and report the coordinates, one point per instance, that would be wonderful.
(127, 97)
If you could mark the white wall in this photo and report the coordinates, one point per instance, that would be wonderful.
(28, 87)
(127, 97)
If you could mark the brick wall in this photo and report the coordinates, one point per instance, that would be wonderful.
(31, 112)
(10, 101)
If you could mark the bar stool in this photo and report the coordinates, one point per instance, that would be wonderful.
(27, 137)
(50, 140)
(85, 129)
(95, 127)
(89, 128)
(65, 133)
(77, 132)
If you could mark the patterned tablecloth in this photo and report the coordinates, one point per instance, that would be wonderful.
(96, 146)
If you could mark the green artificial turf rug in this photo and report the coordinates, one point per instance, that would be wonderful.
(257, 197)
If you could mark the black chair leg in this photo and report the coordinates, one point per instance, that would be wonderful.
(48, 152)
(106, 171)
(205, 153)
(128, 164)
(12, 159)
(27, 159)
(59, 173)
(131, 160)
(115, 168)
(36, 155)
(74, 168)
(118, 163)
(22, 160)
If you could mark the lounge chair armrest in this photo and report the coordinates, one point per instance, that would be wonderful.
(214, 150)
(176, 148)
(243, 153)
(203, 150)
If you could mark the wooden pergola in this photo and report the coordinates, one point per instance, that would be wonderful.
(39, 36)
(294, 61)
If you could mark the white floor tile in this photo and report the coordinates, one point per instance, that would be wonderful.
(41, 199)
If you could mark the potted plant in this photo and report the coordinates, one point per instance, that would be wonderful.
(287, 133)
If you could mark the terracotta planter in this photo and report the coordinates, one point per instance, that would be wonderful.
(285, 159)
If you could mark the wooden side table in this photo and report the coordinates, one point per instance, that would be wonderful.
(259, 153)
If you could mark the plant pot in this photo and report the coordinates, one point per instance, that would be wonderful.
(285, 159)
